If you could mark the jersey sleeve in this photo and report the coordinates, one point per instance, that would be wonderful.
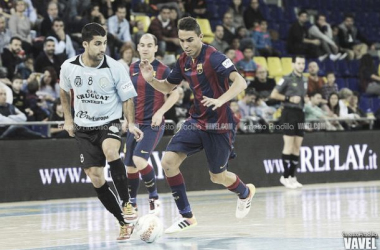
(166, 73)
(64, 81)
(124, 85)
(221, 64)
(281, 86)
(175, 76)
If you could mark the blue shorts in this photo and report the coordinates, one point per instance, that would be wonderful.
(218, 147)
(143, 148)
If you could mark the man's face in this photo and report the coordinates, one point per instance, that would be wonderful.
(49, 48)
(231, 54)
(190, 42)
(263, 26)
(57, 26)
(52, 10)
(2, 24)
(121, 13)
(299, 65)
(3, 96)
(330, 79)
(261, 74)
(349, 22)
(219, 32)
(248, 54)
(146, 47)
(96, 48)
(321, 21)
(316, 99)
(250, 99)
(313, 68)
(302, 18)
(15, 46)
(165, 14)
(227, 19)
(17, 84)
(255, 4)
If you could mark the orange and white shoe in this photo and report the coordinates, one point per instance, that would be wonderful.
(181, 225)
(125, 232)
(244, 205)
(130, 213)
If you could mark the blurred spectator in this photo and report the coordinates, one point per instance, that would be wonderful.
(165, 31)
(119, 26)
(321, 30)
(368, 76)
(345, 96)
(237, 10)
(332, 109)
(5, 34)
(298, 41)
(93, 15)
(20, 25)
(314, 112)
(263, 110)
(9, 113)
(353, 108)
(247, 104)
(140, 32)
(235, 109)
(174, 16)
(30, 12)
(218, 43)
(236, 46)
(247, 66)
(63, 43)
(179, 112)
(314, 82)
(35, 103)
(330, 86)
(57, 115)
(12, 56)
(49, 87)
(113, 43)
(19, 96)
(230, 53)
(262, 84)
(47, 57)
(351, 40)
(245, 38)
(228, 27)
(127, 56)
(27, 67)
(252, 15)
(47, 22)
(196, 8)
(263, 41)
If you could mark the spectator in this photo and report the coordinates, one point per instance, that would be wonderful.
(314, 112)
(321, 30)
(263, 110)
(237, 9)
(247, 66)
(140, 32)
(298, 41)
(174, 16)
(113, 43)
(245, 38)
(262, 84)
(236, 46)
(19, 96)
(351, 40)
(48, 58)
(263, 41)
(12, 56)
(368, 76)
(57, 115)
(47, 22)
(247, 104)
(218, 43)
(228, 27)
(330, 86)
(127, 56)
(35, 103)
(314, 82)
(9, 113)
(235, 110)
(252, 15)
(63, 43)
(353, 108)
(5, 34)
(196, 8)
(119, 26)
(345, 96)
(230, 53)
(26, 68)
(20, 25)
(30, 12)
(49, 87)
(94, 15)
(332, 109)
(165, 31)
(179, 112)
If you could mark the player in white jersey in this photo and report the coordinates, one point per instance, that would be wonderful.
(102, 89)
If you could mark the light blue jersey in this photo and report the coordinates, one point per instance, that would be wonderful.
(98, 91)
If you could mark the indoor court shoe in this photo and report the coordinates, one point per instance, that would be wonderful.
(154, 206)
(130, 213)
(182, 224)
(125, 232)
(244, 205)
(287, 182)
(295, 183)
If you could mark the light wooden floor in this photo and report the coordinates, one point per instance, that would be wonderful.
(310, 218)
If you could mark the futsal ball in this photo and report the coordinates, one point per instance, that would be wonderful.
(149, 228)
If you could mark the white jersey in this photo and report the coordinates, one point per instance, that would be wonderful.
(98, 92)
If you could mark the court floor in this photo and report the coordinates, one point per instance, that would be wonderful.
(313, 217)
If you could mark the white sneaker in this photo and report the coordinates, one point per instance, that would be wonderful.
(335, 57)
(244, 205)
(343, 56)
(182, 224)
(154, 206)
(294, 181)
(322, 58)
(287, 183)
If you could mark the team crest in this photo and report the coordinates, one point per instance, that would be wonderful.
(103, 82)
(78, 81)
(199, 68)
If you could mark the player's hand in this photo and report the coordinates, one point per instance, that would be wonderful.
(136, 131)
(208, 102)
(157, 119)
(295, 99)
(69, 127)
(146, 70)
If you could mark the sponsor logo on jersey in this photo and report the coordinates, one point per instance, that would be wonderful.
(227, 63)
(128, 86)
(103, 82)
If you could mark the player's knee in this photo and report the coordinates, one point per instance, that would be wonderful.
(111, 154)
(168, 164)
(96, 178)
(218, 178)
(139, 162)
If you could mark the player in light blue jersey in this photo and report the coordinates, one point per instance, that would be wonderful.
(101, 89)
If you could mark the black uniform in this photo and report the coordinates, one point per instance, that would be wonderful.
(293, 114)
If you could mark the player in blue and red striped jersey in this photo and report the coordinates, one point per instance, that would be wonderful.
(211, 125)
(150, 105)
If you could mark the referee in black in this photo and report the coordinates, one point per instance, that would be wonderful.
(291, 91)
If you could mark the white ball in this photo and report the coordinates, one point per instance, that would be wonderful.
(149, 228)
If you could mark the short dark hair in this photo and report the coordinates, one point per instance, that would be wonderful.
(251, 91)
(330, 73)
(58, 19)
(294, 58)
(348, 15)
(164, 7)
(17, 76)
(302, 12)
(318, 16)
(189, 24)
(92, 29)
(15, 38)
(49, 39)
(228, 49)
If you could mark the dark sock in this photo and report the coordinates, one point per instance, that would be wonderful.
(109, 201)
(294, 159)
(240, 188)
(133, 186)
(149, 177)
(286, 164)
(177, 185)
(119, 177)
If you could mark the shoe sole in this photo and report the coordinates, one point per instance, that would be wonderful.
(183, 229)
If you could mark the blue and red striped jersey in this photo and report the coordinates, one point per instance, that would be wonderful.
(148, 100)
(208, 75)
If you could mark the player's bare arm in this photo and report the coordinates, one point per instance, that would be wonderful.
(170, 101)
(238, 85)
(129, 113)
(277, 96)
(69, 122)
(160, 85)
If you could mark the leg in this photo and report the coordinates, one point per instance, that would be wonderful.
(360, 50)
(133, 176)
(148, 175)
(295, 155)
(286, 152)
